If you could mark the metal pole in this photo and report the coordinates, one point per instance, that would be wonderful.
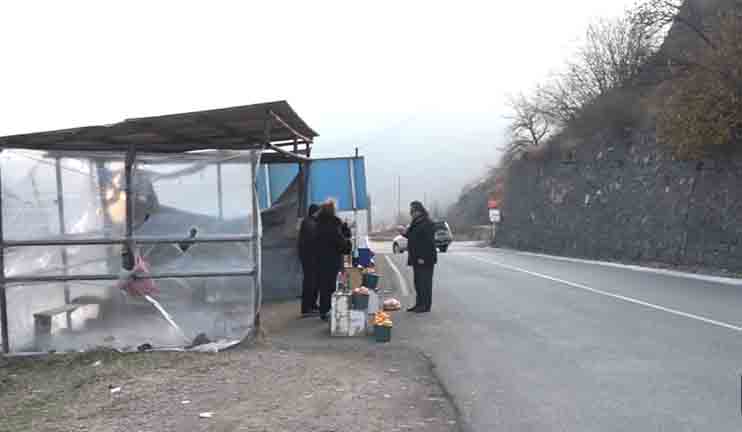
(3, 294)
(256, 244)
(267, 128)
(268, 191)
(302, 194)
(136, 239)
(107, 223)
(219, 190)
(101, 277)
(128, 172)
(63, 231)
(354, 198)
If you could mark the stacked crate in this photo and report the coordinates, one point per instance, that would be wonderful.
(344, 321)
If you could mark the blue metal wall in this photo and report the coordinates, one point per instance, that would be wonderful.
(328, 178)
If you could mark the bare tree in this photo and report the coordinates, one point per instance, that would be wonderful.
(613, 55)
(531, 124)
(703, 108)
(660, 15)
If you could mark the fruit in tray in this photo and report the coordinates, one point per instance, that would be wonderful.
(392, 305)
(382, 319)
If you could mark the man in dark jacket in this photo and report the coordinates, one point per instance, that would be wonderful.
(421, 255)
(308, 257)
(331, 244)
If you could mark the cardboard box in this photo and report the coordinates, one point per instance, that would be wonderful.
(355, 276)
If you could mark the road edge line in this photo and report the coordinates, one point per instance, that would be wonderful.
(616, 296)
(633, 267)
(402, 282)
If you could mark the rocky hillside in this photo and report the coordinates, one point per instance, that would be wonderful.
(611, 191)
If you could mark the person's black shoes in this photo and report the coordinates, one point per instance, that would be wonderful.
(312, 312)
(324, 317)
(412, 309)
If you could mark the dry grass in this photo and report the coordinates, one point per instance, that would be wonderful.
(261, 389)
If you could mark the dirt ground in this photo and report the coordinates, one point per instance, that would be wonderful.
(297, 379)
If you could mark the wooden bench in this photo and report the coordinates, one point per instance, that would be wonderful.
(44, 320)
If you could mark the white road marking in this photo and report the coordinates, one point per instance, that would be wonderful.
(402, 283)
(616, 296)
(665, 272)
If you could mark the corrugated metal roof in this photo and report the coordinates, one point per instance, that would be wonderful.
(235, 128)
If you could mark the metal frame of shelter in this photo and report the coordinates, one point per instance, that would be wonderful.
(273, 128)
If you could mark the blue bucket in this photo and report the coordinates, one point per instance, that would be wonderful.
(371, 280)
(364, 257)
(383, 334)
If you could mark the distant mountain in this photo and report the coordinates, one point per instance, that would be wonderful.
(434, 156)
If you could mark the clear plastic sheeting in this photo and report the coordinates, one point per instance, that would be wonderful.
(193, 215)
(31, 195)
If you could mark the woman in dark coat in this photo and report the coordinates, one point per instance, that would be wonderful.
(330, 245)
(308, 257)
(421, 255)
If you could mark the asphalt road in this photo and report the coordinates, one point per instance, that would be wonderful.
(529, 343)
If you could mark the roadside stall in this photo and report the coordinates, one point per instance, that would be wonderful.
(359, 306)
(145, 233)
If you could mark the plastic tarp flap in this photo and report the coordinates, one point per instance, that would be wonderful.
(173, 195)
(280, 259)
(273, 180)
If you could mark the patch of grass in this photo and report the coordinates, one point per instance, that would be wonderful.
(36, 393)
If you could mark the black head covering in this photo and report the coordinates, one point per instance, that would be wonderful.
(418, 207)
(313, 209)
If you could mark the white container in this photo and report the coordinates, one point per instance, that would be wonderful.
(340, 314)
(374, 302)
(358, 323)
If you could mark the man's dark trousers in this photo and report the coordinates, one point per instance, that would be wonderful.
(424, 286)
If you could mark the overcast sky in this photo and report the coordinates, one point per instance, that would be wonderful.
(418, 86)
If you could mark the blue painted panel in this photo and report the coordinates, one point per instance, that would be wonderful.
(359, 167)
(330, 178)
(281, 176)
(262, 188)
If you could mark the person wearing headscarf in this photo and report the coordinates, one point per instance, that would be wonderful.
(308, 258)
(330, 245)
(421, 255)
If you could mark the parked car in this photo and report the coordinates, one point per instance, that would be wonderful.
(443, 238)
(399, 244)
(443, 235)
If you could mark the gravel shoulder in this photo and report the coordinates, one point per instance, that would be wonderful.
(296, 379)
